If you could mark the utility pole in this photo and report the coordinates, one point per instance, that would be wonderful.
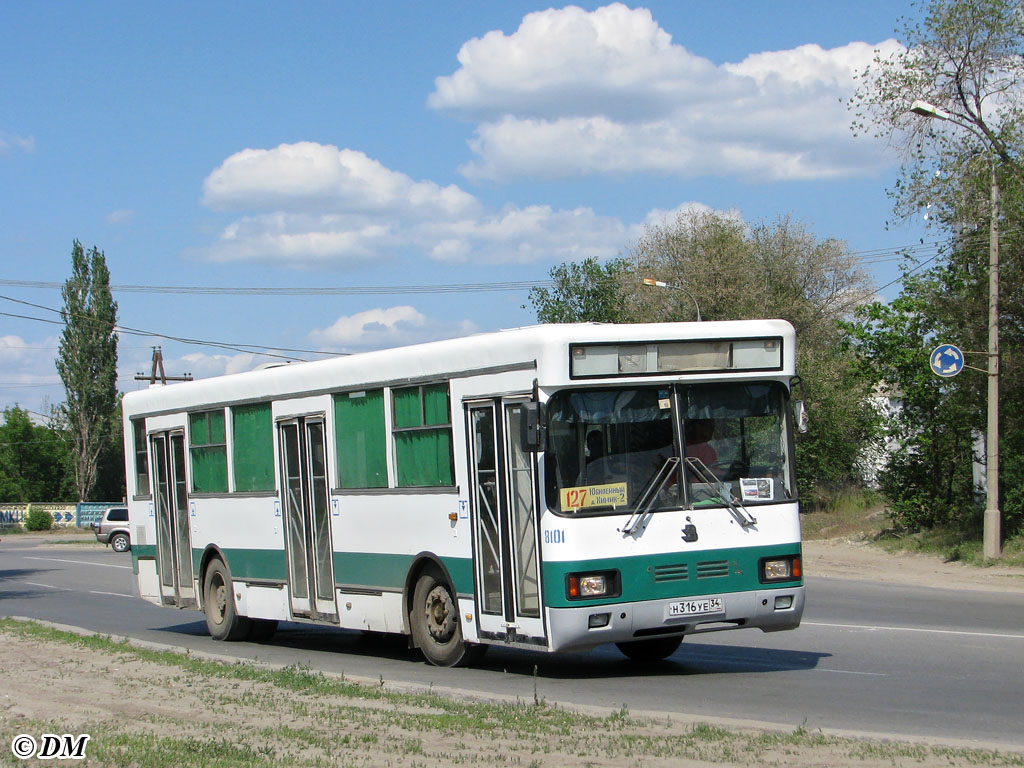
(157, 373)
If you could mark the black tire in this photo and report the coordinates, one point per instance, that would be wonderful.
(261, 630)
(655, 649)
(120, 542)
(222, 620)
(435, 624)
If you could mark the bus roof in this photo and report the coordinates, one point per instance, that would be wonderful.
(542, 348)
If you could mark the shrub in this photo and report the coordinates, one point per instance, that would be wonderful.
(38, 520)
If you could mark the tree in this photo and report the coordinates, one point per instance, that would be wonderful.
(584, 291)
(967, 59)
(34, 461)
(87, 363)
(735, 271)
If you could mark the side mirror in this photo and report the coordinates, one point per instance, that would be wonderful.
(531, 427)
(800, 416)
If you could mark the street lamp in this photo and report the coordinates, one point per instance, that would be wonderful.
(660, 284)
(992, 529)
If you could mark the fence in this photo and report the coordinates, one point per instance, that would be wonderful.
(64, 515)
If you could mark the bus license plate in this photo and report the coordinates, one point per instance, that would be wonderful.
(696, 607)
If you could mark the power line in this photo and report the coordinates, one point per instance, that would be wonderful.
(234, 346)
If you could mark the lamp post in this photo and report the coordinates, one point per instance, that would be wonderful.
(660, 284)
(992, 531)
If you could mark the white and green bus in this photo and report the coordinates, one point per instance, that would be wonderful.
(552, 488)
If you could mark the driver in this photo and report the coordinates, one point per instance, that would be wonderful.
(698, 434)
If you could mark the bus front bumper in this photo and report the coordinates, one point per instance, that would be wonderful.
(585, 626)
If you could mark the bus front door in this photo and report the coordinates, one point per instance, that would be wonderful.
(173, 538)
(506, 552)
(307, 528)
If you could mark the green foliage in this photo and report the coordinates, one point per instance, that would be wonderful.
(966, 57)
(582, 292)
(38, 520)
(35, 463)
(87, 364)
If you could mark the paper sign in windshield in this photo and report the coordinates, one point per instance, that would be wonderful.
(756, 489)
(611, 495)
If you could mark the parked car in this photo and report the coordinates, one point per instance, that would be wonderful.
(112, 528)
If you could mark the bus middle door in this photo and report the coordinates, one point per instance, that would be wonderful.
(506, 552)
(174, 535)
(305, 498)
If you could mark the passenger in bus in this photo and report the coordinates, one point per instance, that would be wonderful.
(698, 436)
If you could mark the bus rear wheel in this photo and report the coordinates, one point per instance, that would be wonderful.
(655, 649)
(222, 620)
(435, 624)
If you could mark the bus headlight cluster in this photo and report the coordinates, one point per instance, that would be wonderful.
(780, 569)
(586, 586)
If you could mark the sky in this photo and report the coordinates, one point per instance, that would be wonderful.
(394, 147)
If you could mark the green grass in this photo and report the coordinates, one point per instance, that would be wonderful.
(954, 546)
(298, 717)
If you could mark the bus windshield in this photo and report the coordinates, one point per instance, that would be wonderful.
(605, 446)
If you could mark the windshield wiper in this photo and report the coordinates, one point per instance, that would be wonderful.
(705, 475)
(649, 494)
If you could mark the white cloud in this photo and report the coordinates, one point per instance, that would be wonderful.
(319, 216)
(316, 177)
(381, 328)
(120, 217)
(10, 141)
(572, 93)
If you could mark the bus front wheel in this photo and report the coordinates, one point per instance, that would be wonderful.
(222, 620)
(654, 649)
(435, 624)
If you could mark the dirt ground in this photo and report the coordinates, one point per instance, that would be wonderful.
(859, 560)
(141, 711)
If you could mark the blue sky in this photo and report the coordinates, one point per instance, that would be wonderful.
(269, 145)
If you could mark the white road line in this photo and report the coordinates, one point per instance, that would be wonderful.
(79, 562)
(48, 586)
(67, 589)
(871, 628)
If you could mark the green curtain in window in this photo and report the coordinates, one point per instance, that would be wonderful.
(361, 439)
(252, 447)
(424, 457)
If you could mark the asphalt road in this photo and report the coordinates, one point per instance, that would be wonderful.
(911, 662)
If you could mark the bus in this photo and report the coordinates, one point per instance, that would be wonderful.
(553, 488)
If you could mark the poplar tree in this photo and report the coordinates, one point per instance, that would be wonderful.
(87, 363)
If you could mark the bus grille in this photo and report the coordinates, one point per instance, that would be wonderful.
(711, 569)
(662, 573)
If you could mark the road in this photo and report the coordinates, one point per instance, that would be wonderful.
(887, 659)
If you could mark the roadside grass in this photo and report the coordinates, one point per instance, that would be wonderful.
(856, 514)
(953, 546)
(860, 515)
(294, 716)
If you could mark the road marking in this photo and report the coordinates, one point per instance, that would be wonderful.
(48, 586)
(68, 589)
(79, 562)
(871, 628)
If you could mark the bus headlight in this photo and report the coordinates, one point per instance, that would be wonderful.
(780, 569)
(586, 586)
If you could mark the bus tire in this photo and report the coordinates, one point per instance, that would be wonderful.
(222, 620)
(655, 649)
(434, 621)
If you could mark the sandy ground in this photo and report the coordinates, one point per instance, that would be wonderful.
(854, 560)
(131, 705)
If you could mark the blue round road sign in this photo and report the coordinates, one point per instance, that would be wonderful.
(947, 360)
